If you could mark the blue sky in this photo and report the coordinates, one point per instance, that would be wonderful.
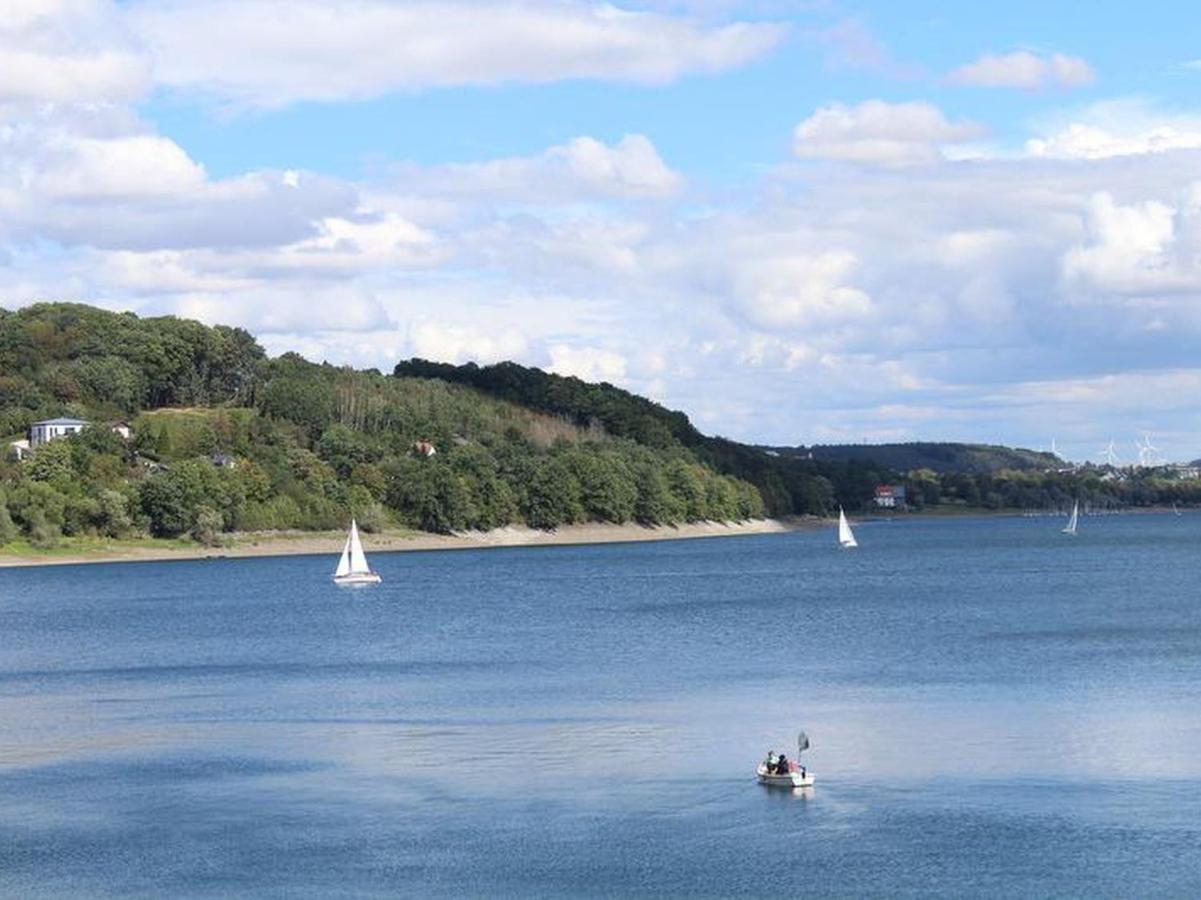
(798, 221)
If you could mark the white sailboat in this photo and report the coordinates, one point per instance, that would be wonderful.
(846, 537)
(1070, 528)
(352, 566)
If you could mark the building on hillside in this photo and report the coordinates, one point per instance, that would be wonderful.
(890, 496)
(424, 448)
(20, 449)
(123, 429)
(52, 429)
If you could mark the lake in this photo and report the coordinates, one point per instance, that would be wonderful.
(995, 709)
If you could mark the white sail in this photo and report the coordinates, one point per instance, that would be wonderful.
(358, 560)
(1071, 526)
(352, 566)
(344, 562)
(846, 537)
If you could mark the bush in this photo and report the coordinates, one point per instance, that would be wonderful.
(43, 533)
(207, 529)
(8, 531)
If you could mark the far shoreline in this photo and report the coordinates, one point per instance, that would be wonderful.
(328, 543)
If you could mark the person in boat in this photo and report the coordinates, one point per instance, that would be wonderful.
(770, 762)
(782, 765)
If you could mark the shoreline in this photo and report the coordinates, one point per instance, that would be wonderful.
(328, 543)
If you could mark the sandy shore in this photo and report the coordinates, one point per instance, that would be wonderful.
(330, 543)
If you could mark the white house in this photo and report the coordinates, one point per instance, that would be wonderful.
(49, 430)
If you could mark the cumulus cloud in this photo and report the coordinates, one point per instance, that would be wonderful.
(1118, 128)
(582, 168)
(1023, 69)
(879, 133)
(588, 363)
(68, 51)
(1142, 249)
(808, 290)
(271, 53)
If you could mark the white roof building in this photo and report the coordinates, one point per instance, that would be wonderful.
(50, 429)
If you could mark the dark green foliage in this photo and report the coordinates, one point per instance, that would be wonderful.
(975, 459)
(786, 485)
(552, 496)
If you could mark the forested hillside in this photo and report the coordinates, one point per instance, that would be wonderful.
(797, 481)
(788, 486)
(943, 458)
(226, 439)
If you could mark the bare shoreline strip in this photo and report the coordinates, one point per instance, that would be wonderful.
(330, 543)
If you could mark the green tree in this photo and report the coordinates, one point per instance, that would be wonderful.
(114, 519)
(52, 462)
(207, 527)
(8, 531)
(552, 496)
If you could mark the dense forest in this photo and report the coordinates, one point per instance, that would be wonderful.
(941, 457)
(225, 439)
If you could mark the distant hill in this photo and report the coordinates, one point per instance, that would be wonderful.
(973, 459)
(788, 485)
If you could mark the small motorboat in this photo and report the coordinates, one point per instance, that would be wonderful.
(794, 779)
(797, 776)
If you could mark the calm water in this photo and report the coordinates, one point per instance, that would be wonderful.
(995, 709)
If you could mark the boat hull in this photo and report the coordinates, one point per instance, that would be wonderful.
(357, 579)
(790, 780)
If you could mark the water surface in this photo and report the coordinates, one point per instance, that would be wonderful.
(995, 709)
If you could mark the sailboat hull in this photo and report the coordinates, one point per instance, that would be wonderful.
(357, 579)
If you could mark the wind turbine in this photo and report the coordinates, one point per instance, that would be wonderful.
(1146, 451)
(1111, 457)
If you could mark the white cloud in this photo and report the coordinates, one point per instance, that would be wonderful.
(67, 51)
(86, 168)
(1139, 249)
(800, 290)
(271, 53)
(1023, 69)
(458, 343)
(1081, 141)
(875, 132)
(581, 169)
(588, 363)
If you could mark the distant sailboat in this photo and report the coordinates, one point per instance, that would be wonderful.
(846, 537)
(1175, 508)
(1071, 526)
(352, 567)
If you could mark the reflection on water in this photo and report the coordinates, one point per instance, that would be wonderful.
(990, 704)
